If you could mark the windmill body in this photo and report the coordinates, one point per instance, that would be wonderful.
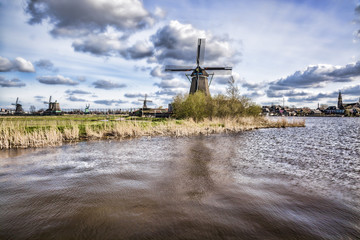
(54, 107)
(18, 107)
(200, 75)
(199, 81)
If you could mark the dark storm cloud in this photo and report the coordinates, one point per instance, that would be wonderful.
(347, 91)
(314, 98)
(105, 84)
(287, 93)
(72, 92)
(11, 83)
(159, 72)
(350, 70)
(352, 90)
(177, 41)
(57, 80)
(253, 94)
(75, 99)
(134, 95)
(112, 46)
(138, 51)
(253, 86)
(166, 92)
(109, 102)
(46, 65)
(96, 45)
(316, 76)
(81, 17)
(18, 64)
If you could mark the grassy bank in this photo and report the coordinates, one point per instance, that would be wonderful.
(25, 132)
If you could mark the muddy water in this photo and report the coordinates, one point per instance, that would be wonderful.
(294, 183)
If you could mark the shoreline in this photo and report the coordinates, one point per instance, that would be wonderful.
(27, 134)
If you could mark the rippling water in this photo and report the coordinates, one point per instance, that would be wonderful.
(293, 183)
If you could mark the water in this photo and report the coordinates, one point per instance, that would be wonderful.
(293, 183)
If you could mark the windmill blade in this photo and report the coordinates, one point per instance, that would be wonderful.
(50, 99)
(17, 100)
(201, 51)
(174, 68)
(218, 70)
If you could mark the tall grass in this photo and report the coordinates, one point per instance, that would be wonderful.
(22, 133)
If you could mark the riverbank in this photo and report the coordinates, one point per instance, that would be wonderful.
(22, 132)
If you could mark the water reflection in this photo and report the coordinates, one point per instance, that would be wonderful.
(265, 184)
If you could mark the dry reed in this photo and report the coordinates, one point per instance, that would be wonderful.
(16, 134)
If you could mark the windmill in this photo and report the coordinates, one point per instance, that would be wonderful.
(54, 107)
(145, 101)
(199, 75)
(87, 109)
(18, 107)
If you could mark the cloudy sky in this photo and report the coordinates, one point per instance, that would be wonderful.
(109, 53)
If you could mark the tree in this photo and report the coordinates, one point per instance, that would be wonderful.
(32, 108)
(232, 90)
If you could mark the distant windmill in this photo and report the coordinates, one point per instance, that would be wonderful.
(199, 75)
(87, 109)
(18, 107)
(54, 107)
(145, 101)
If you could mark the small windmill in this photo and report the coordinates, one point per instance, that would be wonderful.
(18, 107)
(87, 109)
(145, 101)
(199, 75)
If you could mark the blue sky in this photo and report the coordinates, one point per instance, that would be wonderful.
(109, 53)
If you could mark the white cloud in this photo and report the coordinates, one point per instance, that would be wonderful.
(107, 85)
(57, 80)
(11, 83)
(18, 64)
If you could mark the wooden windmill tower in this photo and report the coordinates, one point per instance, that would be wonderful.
(200, 75)
(18, 107)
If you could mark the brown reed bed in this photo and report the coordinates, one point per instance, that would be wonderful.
(24, 133)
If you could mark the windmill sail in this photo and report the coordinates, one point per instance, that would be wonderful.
(200, 74)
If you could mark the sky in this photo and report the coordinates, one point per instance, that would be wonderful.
(110, 53)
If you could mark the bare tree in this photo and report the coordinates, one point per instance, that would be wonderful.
(232, 90)
(32, 108)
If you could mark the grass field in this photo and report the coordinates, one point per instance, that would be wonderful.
(40, 131)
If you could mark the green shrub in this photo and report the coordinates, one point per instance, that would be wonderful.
(198, 106)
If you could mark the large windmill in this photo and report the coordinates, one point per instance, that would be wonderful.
(199, 75)
(145, 102)
(18, 107)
